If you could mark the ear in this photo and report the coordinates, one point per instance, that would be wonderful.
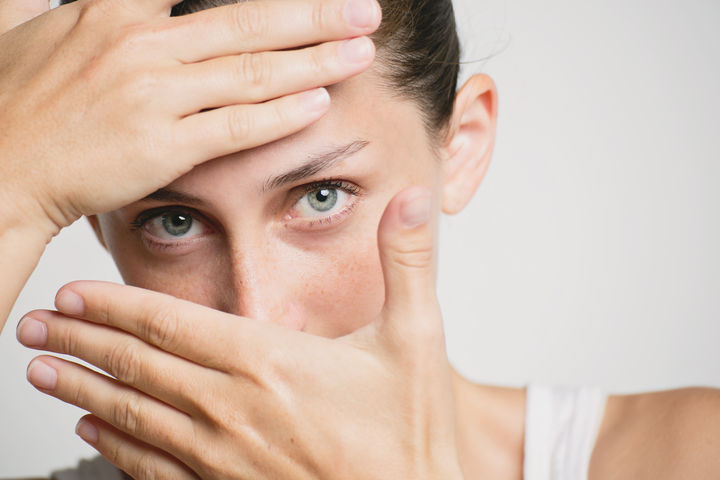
(95, 224)
(469, 141)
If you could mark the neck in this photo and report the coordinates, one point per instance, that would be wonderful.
(490, 429)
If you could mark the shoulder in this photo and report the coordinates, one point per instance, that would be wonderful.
(671, 434)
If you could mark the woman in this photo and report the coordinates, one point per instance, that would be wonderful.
(287, 238)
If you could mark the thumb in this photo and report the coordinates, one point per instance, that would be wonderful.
(406, 242)
(16, 12)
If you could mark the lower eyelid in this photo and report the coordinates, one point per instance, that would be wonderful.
(318, 223)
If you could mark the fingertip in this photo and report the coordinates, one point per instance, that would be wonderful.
(316, 100)
(86, 430)
(415, 207)
(69, 302)
(41, 375)
(31, 332)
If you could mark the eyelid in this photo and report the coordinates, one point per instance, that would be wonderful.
(313, 224)
(344, 185)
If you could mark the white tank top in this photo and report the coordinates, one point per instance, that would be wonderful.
(561, 426)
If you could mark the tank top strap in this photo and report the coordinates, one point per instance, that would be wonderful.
(561, 427)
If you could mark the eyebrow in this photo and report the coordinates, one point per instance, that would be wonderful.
(173, 196)
(315, 164)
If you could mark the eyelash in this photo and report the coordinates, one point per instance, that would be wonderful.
(148, 215)
(310, 224)
(350, 188)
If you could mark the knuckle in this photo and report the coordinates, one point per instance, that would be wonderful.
(80, 396)
(129, 39)
(250, 19)
(254, 70)
(280, 115)
(146, 467)
(68, 341)
(160, 327)
(143, 86)
(93, 10)
(415, 257)
(127, 414)
(239, 125)
(124, 363)
(316, 63)
(320, 16)
(113, 453)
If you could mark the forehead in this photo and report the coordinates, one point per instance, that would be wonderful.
(362, 108)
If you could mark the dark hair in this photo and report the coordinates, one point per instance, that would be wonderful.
(418, 49)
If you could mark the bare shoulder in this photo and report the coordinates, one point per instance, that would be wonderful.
(670, 434)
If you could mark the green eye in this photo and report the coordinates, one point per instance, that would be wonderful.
(177, 224)
(323, 200)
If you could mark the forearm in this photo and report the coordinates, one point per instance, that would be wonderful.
(23, 237)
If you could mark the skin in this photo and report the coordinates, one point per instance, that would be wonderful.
(286, 288)
(102, 93)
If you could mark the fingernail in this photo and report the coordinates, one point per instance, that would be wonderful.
(42, 375)
(356, 50)
(87, 431)
(415, 210)
(69, 302)
(360, 13)
(32, 333)
(316, 100)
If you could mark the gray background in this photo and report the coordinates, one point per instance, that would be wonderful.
(590, 254)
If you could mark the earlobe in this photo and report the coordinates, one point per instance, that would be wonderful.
(95, 224)
(469, 142)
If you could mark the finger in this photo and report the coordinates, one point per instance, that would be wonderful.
(142, 7)
(256, 77)
(125, 357)
(227, 130)
(406, 242)
(204, 336)
(128, 410)
(16, 12)
(133, 457)
(261, 25)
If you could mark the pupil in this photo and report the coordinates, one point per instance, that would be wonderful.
(322, 195)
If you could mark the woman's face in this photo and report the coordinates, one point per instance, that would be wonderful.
(286, 232)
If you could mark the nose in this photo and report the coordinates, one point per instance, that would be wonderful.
(261, 287)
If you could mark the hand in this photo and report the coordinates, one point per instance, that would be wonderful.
(103, 102)
(200, 393)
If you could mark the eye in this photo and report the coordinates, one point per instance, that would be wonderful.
(323, 204)
(170, 225)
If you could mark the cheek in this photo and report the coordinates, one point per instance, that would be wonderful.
(342, 292)
(193, 277)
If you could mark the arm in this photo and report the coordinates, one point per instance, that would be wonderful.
(23, 237)
(662, 435)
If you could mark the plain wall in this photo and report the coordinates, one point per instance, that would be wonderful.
(590, 254)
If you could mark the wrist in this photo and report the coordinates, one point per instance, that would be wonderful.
(23, 214)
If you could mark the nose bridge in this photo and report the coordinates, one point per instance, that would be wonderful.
(259, 290)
